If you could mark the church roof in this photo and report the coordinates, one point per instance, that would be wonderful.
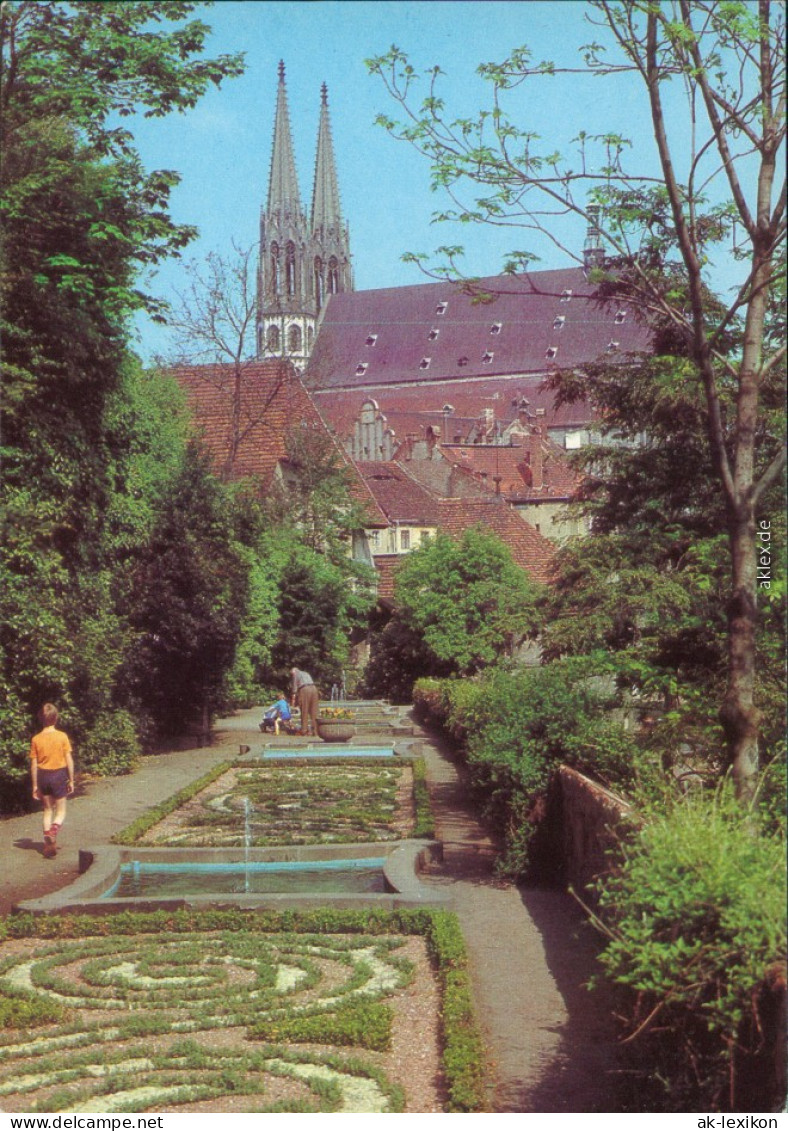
(433, 331)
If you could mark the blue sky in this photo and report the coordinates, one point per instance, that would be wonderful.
(222, 148)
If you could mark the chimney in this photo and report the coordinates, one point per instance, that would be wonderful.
(537, 470)
(593, 252)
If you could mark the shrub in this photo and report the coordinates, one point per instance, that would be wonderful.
(696, 916)
(111, 745)
(517, 727)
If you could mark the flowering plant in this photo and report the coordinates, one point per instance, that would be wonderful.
(331, 714)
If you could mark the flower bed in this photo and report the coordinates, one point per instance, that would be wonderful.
(304, 804)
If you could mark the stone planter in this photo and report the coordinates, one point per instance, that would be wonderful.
(335, 730)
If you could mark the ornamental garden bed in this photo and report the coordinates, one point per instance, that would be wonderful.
(222, 1011)
(283, 804)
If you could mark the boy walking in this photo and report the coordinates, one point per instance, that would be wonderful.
(52, 771)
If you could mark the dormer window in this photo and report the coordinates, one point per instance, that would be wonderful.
(462, 361)
(487, 357)
(433, 334)
(620, 316)
(612, 347)
(425, 363)
(441, 308)
(558, 322)
(362, 368)
(371, 339)
(551, 352)
(566, 296)
(496, 328)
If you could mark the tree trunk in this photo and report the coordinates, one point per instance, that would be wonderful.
(739, 715)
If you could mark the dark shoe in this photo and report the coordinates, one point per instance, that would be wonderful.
(49, 848)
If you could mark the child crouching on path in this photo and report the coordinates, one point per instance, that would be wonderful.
(52, 770)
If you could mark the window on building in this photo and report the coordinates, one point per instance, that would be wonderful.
(362, 368)
(404, 539)
(487, 357)
(558, 323)
(620, 316)
(540, 412)
(433, 334)
(294, 339)
(272, 339)
(566, 296)
(441, 308)
(425, 363)
(462, 361)
(275, 268)
(496, 327)
(371, 339)
(612, 346)
(318, 281)
(333, 275)
(551, 352)
(290, 268)
(310, 334)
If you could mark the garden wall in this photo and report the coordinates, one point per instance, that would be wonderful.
(583, 816)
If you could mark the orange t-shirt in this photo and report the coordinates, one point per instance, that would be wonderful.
(49, 748)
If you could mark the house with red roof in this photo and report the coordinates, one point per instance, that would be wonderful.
(243, 416)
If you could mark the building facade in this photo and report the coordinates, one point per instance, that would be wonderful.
(303, 259)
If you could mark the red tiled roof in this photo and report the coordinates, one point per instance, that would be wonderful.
(411, 409)
(273, 403)
(399, 497)
(530, 550)
(516, 466)
(434, 331)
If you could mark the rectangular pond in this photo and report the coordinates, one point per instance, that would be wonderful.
(329, 877)
(329, 750)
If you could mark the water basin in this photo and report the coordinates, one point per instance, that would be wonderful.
(329, 750)
(328, 877)
(362, 874)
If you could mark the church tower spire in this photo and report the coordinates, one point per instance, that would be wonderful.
(285, 306)
(301, 262)
(330, 236)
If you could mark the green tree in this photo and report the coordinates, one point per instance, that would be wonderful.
(81, 221)
(467, 601)
(719, 185)
(189, 596)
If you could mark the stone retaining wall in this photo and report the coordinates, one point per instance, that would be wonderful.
(584, 817)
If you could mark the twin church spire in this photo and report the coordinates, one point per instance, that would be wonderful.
(302, 261)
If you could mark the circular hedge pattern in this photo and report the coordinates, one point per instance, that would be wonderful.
(158, 1022)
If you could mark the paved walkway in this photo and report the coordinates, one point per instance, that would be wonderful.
(549, 1039)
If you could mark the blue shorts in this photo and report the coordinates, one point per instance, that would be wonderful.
(53, 783)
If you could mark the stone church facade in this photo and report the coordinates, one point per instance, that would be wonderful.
(303, 260)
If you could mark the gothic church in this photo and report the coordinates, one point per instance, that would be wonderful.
(302, 261)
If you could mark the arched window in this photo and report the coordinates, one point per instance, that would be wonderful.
(272, 339)
(290, 268)
(310, 335)
(333, 275)
(319, 282)
(294, 339)
(275, 268)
